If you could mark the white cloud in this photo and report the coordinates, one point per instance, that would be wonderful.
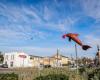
(64, 25)
(91, 8)
(67, 24)
(49, 51)
(40, 51)
(9, 34)
(24, 21)
(47, 14)
(19, 14)
(92, 39)
(21, 21)
(22, 34)
(29, 17)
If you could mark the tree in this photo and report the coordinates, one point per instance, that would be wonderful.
(1, 57)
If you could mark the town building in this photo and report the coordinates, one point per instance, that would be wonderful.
(21, 59)
(57, 60)
(17, 59)
(36, 61)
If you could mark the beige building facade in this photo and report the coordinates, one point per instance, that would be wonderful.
(57, 60)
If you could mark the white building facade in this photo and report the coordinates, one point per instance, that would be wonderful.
(17, 59)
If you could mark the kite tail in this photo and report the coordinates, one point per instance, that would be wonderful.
(85, 47)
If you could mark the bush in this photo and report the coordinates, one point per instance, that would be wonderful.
(95, 75)
(53, 77)
(7, 76)
(81, 70)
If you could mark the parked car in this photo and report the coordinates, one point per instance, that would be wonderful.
(4, 66)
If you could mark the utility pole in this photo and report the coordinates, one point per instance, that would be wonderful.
(57, 57)
(76, 58)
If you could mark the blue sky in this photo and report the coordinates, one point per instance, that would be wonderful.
(36, 26)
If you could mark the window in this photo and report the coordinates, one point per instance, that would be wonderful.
(6, 57)
(11, 64)
(12, 57)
